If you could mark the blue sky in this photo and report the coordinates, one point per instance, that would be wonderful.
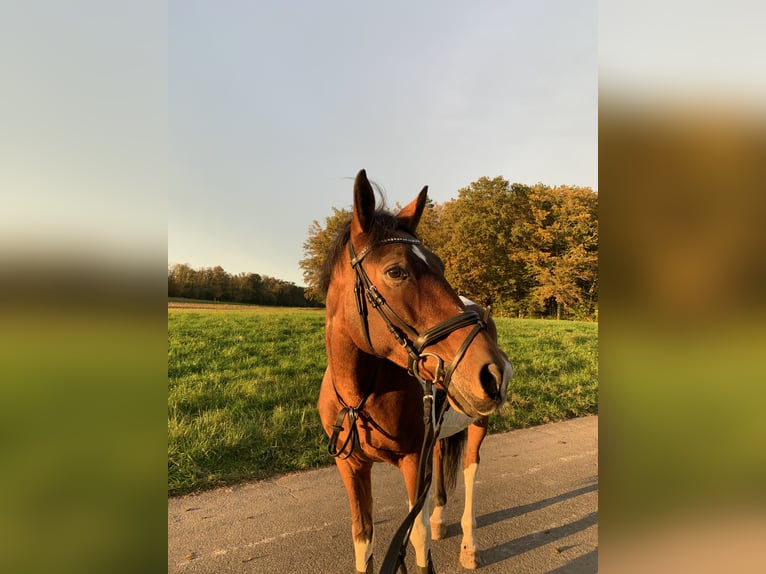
(274, 107)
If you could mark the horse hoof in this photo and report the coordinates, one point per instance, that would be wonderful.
(427, 569)
(470, 558)
(438, 530)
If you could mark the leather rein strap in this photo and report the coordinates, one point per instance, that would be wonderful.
(397, 548)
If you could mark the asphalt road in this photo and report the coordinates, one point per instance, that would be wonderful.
(536, 510)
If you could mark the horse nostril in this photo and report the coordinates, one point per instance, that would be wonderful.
(491, 378)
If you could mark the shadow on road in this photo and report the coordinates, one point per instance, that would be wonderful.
(585, 563)
(535, 539)
(454, 529)
(500, 515)
(526, 543)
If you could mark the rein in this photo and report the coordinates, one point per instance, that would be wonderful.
(414, 344)
(397, 549)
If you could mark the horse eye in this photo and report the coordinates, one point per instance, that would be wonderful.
(396, 273)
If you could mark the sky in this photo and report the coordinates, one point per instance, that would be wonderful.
(273, 107)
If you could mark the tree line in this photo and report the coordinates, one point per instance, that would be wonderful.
(531, 250)
(215, 284)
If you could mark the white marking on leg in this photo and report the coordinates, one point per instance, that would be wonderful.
(437, 516)
(421, 535)
(438, 530)
(362, 553)
(468, 521)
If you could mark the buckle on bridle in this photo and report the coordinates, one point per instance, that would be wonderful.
(428, 407)
(374, 296)
(415, 368)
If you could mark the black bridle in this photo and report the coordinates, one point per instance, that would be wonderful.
(412, 341)
(414, 344)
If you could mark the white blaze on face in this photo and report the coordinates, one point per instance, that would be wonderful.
(466, 301)
(420, 253)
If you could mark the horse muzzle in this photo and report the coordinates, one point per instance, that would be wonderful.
(486, 397)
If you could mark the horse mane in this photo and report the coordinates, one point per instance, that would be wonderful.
(384, 225)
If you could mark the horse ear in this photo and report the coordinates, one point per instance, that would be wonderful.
(364, 204)
(409, 216)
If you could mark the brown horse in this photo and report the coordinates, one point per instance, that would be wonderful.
(392, 316)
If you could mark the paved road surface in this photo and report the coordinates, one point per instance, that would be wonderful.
(536, 511)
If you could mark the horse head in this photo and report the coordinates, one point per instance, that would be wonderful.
(391, 295)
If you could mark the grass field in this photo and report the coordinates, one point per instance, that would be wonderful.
(243, 385)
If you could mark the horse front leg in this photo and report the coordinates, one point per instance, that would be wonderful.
(356, 477)
(438, 526)
(470, 557)
(420, 534)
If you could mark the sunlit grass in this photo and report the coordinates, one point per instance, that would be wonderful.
(243, 386)
(242, 395)
(555, 371)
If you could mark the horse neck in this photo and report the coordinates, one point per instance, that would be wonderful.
(353, 370)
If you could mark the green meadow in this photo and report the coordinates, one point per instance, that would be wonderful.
(243, 385)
